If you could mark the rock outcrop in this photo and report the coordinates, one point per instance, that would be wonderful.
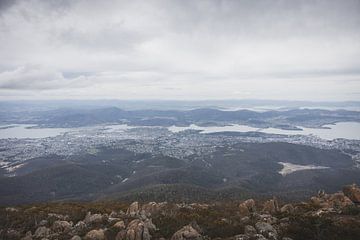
(247, 206)
(95, 235)
(186, 233)
(271, 206)
(352, 192)
(217, 221)
(133, 209)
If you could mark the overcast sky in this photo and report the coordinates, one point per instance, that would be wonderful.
(90, 49)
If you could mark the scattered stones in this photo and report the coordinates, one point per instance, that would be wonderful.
(136, 224)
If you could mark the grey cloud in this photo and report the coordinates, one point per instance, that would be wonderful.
(160, 47)
(32, 78)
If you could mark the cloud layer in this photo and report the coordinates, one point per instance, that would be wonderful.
(180, 49)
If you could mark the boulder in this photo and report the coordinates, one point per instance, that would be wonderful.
(11, 209)
(42, 232)
(267, 218)
(80, 228)
(352, 192)
(12, 234)
(95, 218)
(249, 230)
(271, 206)
(61, 226)
(55, 216)
(149, 225)
(186, 233)
(250, 204)
(243, 209)
(149, 209)
(247, 206)
(133, 209)
(119, 225)
(28, 236)
(258, 237)
(339, 200)
(245, 220)
(242, 237)
(95, 235)
(76, 237)
(266, 230)
(121, 235)
(115, 214)
(43, 223)
(137, 230)
(287, 208)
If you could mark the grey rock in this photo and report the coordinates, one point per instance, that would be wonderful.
(61, 226)
(94, 218)
(119, 225)
(258, 237)
(95, 235)
(186, 233)
(43, 223)
(133, 209)
(42, 232)
(249, 230)
(76, 237)
(266, 230)
(242, 237)
(80, 228)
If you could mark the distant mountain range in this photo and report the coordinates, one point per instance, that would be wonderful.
(288, 119)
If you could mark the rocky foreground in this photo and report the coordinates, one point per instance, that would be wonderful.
(325, 216)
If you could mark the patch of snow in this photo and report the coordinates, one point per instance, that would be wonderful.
(13, 168)
(125, 180)
(290, 168)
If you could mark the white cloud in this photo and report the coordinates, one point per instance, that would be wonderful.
(181, 49)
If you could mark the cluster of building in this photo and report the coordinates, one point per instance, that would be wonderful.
(153, 140)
